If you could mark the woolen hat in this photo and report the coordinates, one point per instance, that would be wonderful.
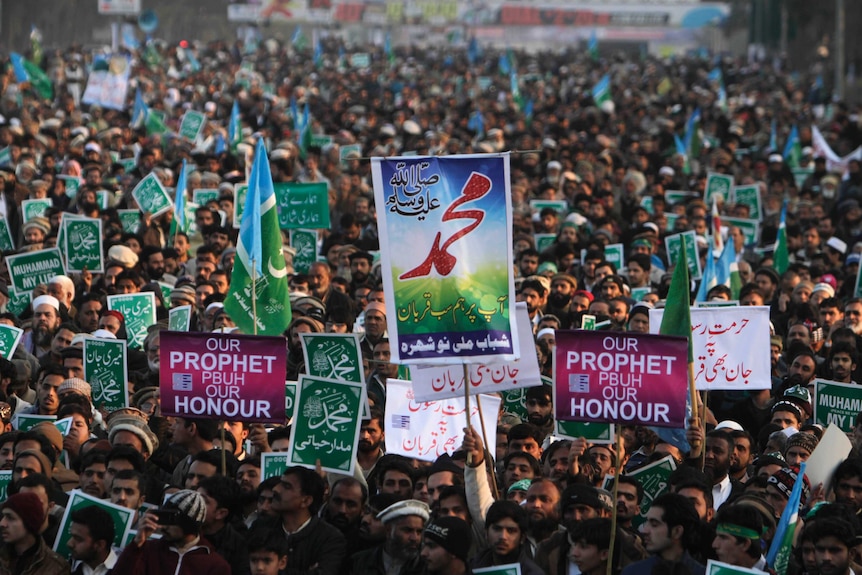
(77, 385)
(807, 441)
(452, 534)
(189, 503)
(29, 508)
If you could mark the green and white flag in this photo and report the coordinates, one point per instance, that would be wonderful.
(258, 298)
(106, 370)
(6, 242)
(602, 92)
(589, 430)
(83, 245)
(780, 256)
(152, 196)
(10, 337)
(139, 311)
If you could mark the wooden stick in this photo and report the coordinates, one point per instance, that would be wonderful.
(467, 404)
(610, 568)
(223, 451)
(490, 464)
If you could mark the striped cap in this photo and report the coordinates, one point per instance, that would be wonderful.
(190, 503)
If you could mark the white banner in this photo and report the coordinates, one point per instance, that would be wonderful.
(119, 6)
(107, 88)
(834, 162)
(432, 383)
(730, 346)
(425, 431)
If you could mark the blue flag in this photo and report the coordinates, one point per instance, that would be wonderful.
(139, 110)
(234, 128)
(473, 50)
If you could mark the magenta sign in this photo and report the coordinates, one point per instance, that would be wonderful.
(615, 377)
(222, 376)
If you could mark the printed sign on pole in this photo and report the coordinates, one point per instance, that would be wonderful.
(730, 346)
(139, 311)
(106, 370)
(152, 196)
(431, 383)
(302, 205)
(30, 269)
(837, 404)
(673, 245)
(446, 236)
(83, 245)
(610, 377)
(223, 376)
(325, 426)
(425, 431)
(305, 244)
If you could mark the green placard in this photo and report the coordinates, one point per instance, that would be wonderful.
(179, 318)
(837, 403)
(333, 356)
(561, 206)
(139, 309)
(714, 567)
(302, 205)
(166, 290)
(18, 302)
(6, 242)
(510, 569)
(204, 195)
(35, 208)
(672, 197)
(638, 294)
(64, 425)
(749, 196)
(6, 156)
(130, 220)
(10, 337)
(105, 369)
(515, 402)
(192, 125)
(325, 426)
(26, 422)
(654, 479)
(544, 241)
(717, 185)
(123, 519)
(5, 480)
(588, 322)
(272, 464)
(128, 164)
(614, 253)
(671, 222)
(30, 269)
(360, 60)
(152, 196)
(289, 398)
(750, 228)
(592, 432)
(305, 244)
(83, 245)
(73, 184)
(673, 244)
(800, 175)
(320, 140)
(647, 204)
(239, 194)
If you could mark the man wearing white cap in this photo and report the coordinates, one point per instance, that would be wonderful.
(46, 320)
(404, 523)
(63, 288)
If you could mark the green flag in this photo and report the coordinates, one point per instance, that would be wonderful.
(780, 256)
(602, 91)
(258, 299)
(677, 310)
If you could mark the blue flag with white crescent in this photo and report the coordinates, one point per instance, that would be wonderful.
(782, 543)
(180, 201)
(259, 279)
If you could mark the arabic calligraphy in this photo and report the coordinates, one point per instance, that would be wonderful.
(333, 360)
(414, 198)
(425, 346)
(469, 311)
(495, 374)
(477, 186)
(713, 366)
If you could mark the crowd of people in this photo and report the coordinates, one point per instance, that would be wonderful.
(540, 500)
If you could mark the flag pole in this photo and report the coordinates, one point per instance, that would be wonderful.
(467, 403)
(254, 294)
(494, 490)
(619, 466)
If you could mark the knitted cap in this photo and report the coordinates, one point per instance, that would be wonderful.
(784, 479)
(135, 425)
(807, 441)
(452, 534)
(29, 508)
(189, 503)
(77, 385)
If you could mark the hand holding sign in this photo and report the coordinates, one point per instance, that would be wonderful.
(474, 447)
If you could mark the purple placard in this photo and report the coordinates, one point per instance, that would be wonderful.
(614, 377)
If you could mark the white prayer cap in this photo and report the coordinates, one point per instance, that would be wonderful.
(46, 299)
(728, 424)
(104, 334)
(404, 509)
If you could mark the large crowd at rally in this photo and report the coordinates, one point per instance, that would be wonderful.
(539, 500)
